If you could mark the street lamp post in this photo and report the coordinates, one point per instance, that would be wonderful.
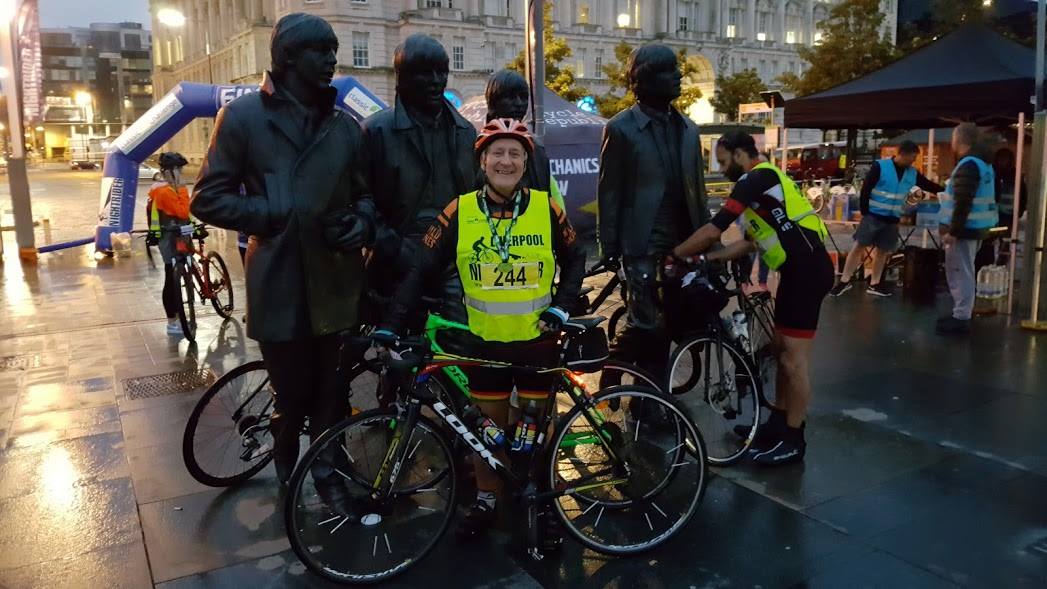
(16, 172)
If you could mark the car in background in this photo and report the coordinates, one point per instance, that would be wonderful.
(148, 172)
(83, 165)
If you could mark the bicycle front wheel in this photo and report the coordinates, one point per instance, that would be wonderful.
(719, 388)
(227, 439)
(642, 480)
(186, 300)
(386, 533)
(220, 285)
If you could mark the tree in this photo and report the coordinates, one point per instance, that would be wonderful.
(619, 97)
(559, 78)
(945, 16)
(731, 91)
(852, 45)
(788, 81)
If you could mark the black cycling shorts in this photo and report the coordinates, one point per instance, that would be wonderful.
(496, 384)
(802, 286)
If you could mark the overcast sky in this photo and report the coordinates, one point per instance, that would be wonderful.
(80, 13)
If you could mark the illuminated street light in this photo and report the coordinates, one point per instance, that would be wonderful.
(624, 20)
(170, 17)
(39, 128)
(82, 98)
(7, 10)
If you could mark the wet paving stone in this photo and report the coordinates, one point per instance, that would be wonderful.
(204, 531)
(119, 567)
(46, 398)
(60, 468)
(49, 427)
(737, 539)
(63, 520)
(981, 541)
(159, 473)
(480, 566)
(844, 456)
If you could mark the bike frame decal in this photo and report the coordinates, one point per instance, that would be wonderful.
(477, 446)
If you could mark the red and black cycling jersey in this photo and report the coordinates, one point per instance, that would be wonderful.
(761, 191)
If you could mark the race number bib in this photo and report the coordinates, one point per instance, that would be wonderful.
(510, 276)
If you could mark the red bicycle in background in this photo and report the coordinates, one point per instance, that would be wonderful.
(202, 276)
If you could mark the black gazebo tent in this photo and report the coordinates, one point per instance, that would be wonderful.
(971, 74)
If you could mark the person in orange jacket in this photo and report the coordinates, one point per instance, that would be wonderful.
(170, 202)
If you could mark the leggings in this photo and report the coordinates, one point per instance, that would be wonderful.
(170, 292)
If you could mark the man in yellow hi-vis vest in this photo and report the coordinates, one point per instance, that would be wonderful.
(506, 242)
(781, 224)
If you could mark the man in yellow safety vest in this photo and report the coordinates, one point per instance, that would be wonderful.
(779, 222)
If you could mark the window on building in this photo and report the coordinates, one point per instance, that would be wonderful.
(790, 36)
(598, 64)
(132, 42)
(817, 37)
(581, 63)
(583, 13)
(361, 49)
(733, 16)
(458, 54)
(683, 24)
(732, 31)
(437, 4)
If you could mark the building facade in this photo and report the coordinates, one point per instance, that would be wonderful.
(95, 82)
(226, 41)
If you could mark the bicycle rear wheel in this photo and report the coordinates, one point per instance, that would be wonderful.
(615, 372)
(220, 284)
(227, 438)
(639, 484)
(392, 533)
(186, 300)
(724, 399)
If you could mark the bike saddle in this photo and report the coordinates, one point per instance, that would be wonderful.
(576, 325)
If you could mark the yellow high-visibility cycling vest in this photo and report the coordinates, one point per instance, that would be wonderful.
(798, 210)
(504, 299)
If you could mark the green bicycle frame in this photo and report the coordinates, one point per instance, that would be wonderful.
(435, 323)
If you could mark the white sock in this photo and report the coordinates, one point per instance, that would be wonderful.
(487, 497)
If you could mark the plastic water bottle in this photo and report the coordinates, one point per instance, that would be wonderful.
(1001, 282)
(740, 329)
(981, 288)
(490, 434)
(526, 429)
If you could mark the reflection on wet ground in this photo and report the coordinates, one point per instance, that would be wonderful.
(926, 465)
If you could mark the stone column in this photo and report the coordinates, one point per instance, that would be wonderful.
(808, 23)
(781, 21)
(751, 20)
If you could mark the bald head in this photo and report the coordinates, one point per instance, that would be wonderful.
(964, 137)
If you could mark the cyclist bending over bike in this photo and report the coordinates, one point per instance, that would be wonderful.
(170, 210)
(509, 300)
(779, 222)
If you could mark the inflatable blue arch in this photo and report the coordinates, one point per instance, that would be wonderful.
(187, 101)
